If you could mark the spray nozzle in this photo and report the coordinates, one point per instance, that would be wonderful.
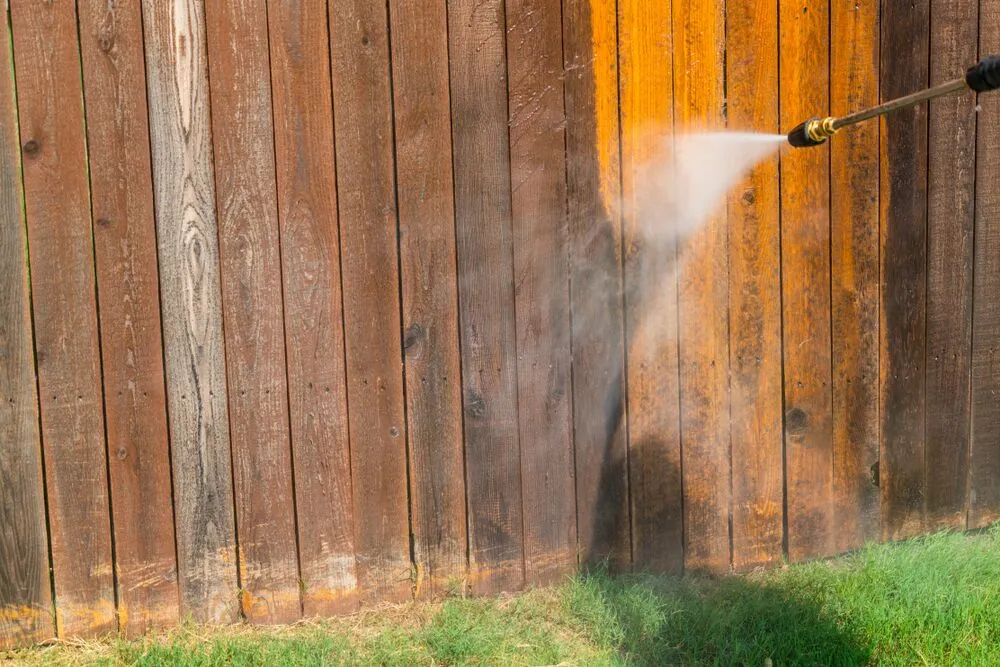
(812, 132)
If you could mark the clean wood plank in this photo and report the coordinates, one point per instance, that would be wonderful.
(187, 242)
(805, 265)
(594, 189)
(984, 461)
(903, 207)
(951, 186)
(854, 229)
(56, 199)
(541, 267)
(25, 588)
(429, 291)
(314, 330)
(127, 278)
(486, 292)
(755, 293)
(645, 44)
(250, 259)
(703, 302)
(368, 231)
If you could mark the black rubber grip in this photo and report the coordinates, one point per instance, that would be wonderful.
(799, 138)
(984, 76)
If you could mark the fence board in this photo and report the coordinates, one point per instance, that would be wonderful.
(951, 182)
(314, 332)
(127, 279)
(703, 300)
(187, 242)
(25, 587)
(805, 265)
(429, 291)
(594, 187)
(904, 58)
(250, 259)
(984, 461)
(755, 293)
(541, 269)
(854, 228)
(367, 200)
(56, 198)
(486, 292)
(645, 46)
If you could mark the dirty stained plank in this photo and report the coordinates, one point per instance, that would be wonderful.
(56, 200)
(314, 332)
(190, 295)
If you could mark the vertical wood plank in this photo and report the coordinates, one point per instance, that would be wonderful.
(805, 266)
(190, 294)
(477, 38)
(250, 258)
(314, 333)
(645, 43)
(367, 201)
(127, 278)
(951, 185)
(541, 269)
(594, 191)
(703, 302)
(429, 291)
(755, 293)
(984, 462)
(854, 229)
(56, 195)
(903, 197)
(25, 590)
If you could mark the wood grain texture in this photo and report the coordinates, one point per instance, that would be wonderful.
(127, 279)
(703, 301)
(368, 231)
(541, 297)
(25, 588)
(56, 198)
(187, 242)
(314, 331)
(645, 48)
(805, 265)
(486, 292)
(250, 259)
(951, 188)
(593, 164)
(903, 284)
(984, 458)
(854, 253)
(430, 292)
(755, 354)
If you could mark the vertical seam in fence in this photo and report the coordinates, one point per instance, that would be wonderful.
(31, 307)
(831, 533)
(972, 288)
(284, 332)
(781, 318)
(729, 291)
(163, 347)
(927, 258)
(458, 299)
(222, 319)
(623, 320)
(97, 316)
(513, 263)
(677, 291)
(410, 538)
(340, 275)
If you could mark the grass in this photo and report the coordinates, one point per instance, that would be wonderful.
(931, 601)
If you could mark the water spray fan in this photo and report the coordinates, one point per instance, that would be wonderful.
(982, 77)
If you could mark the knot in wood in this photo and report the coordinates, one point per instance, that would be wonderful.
(30, 147)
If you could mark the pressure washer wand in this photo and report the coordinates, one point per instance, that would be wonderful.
(983, 77)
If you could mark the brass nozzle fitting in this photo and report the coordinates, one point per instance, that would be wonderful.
(819, 130)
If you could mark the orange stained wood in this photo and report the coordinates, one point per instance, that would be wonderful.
(605, 53)
(646, 88)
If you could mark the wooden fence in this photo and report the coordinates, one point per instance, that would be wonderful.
(309, 304)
